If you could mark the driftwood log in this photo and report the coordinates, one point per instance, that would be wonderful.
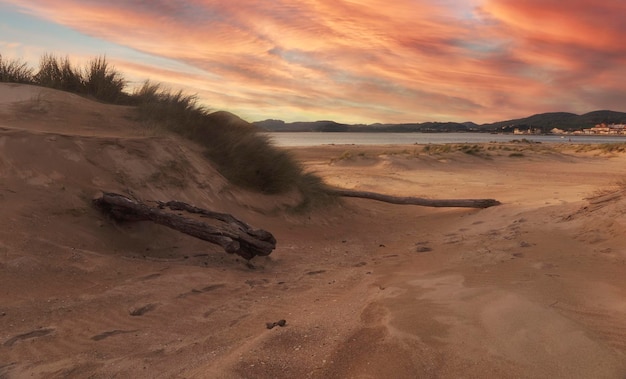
(232, 234)
(462, 203)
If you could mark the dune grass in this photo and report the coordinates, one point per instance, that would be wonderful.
(470, 149)
(604, 148)
(244, 156)
(15, 71)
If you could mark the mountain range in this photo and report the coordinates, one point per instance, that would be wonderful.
(544, 122)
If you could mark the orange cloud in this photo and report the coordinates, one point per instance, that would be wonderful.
(372, 60)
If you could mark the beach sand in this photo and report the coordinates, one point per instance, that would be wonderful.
(532, 288)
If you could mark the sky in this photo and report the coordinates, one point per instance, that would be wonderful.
(352, 61)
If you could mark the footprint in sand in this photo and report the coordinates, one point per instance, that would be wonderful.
(111, 333)
(142, 310)
(421, 247)
(26, 336)
(316, 272)
(150, 277)
(208, 288)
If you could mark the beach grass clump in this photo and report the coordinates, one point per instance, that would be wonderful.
(524, 141)
(603, 148)
(174, 111)
(470, 149)
(437, 149)
(612, 147)
(103, 82)
(98, 79)
(15, 71)
(249, 160)
(58, 73)
(245, 157)
(346, 155)
(314, 193)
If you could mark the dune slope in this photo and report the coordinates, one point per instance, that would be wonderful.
(534, 288)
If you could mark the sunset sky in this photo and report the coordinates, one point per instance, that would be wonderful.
(353, 61)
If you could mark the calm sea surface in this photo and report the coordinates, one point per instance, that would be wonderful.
(317, 139)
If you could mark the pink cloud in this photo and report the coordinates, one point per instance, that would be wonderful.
(375, 60)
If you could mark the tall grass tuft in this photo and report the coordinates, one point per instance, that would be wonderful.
(173, 110)
(58, 73)
(249, 160)
(103, 82)
(245, 157)
(98, 79)
(15, 71)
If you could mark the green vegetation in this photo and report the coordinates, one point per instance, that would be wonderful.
(437, 149)
(524, 141)
(490, 150)
(97, 80)
(103, 82)
(243, 156)
(346, 155)
(349, 155)
(613, 147)
(604, 148)
(450, 147)
(471, 149)
(58, 73)
(15, 71)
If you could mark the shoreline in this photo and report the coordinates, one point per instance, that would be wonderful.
(289, 139)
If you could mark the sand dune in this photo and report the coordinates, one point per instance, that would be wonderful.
(534, 288)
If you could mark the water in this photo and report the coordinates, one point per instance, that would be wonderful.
(287, 139)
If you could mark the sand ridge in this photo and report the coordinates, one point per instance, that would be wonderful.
(534, 288)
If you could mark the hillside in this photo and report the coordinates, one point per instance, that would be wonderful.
(561, 120)
(331, 126)
(544, 122)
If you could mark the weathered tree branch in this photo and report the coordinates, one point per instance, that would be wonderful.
(235, 236)
(462, 203)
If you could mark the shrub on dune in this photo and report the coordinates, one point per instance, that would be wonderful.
(15, 71)
(58, 73)
(242, 155)
(103, 82)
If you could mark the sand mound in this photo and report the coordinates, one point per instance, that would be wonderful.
(532, 288)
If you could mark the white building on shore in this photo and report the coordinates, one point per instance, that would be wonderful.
(604, 129)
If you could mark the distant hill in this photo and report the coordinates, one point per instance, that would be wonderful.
(561, 120)
(331, 126)
(544, 121)
(315, 126)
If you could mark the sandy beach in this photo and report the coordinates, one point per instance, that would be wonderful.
(532, 288)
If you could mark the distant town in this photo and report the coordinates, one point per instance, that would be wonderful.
(599, 129)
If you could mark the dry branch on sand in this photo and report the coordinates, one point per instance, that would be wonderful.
(461, 203)
(232, 234)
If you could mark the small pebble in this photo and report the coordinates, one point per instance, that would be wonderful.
(280, 323)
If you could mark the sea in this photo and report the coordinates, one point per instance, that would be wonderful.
(293, 139)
